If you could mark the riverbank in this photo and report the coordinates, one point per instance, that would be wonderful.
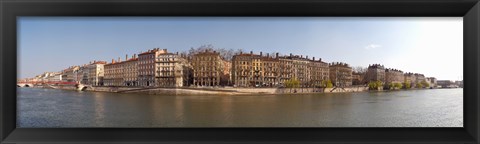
(241, 91)
(214, 90)
(223, 90)
(211, 90)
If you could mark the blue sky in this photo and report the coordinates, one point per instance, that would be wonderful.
(432, 46)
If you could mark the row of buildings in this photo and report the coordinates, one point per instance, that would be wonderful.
(450, 84)
(160, 68)
(377, 72)
(91, 74)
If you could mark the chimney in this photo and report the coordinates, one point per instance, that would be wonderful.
(214, 51)
(251, 52)
(119, 59)
(306, 57)
(134, 55)
(261, 54)
(291, 54)
(126, 57)
(301, 56)
(177, 53)
(276, 55)
(319, 59)
(241, 52)
(113, 61)
(94, 61)
(268, 55)
(313, 58)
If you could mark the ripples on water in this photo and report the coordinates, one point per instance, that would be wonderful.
(413, 108)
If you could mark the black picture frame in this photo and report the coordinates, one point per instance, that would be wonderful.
(468, 9)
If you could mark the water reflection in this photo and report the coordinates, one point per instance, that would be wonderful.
(99, 109)
(415, 108)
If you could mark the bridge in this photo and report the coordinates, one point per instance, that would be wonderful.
(31, 84)
(82, 87)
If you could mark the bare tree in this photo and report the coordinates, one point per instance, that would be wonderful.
(272, 54)
(360, 69)
(238, 51)
(226, 54)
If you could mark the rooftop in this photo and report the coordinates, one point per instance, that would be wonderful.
(341, 64)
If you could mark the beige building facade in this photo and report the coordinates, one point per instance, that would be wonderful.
(69, 74)
(147, 66)
(375, 72)
(319, 71)
(208, 69)
(113, 73)
(242, 69)
(130, 71)
(255, 70)
(270, 71)
(96, 73)
(410, 78)
(173, 70)
(121, 73)
(340, 74)
(393, 76)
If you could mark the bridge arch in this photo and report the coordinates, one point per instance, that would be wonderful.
(82, 87)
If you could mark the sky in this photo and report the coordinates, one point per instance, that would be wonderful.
(431, 46)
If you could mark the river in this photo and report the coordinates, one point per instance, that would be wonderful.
(405, 108)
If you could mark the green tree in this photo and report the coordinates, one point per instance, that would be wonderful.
(327, 84)
(374, 85)
(391, 85)
(295, 83)
(407, 85)
(419, 85)
(425, 83)
(323, 83)
(378, 83)
(292, 83)
(398, 85)
(288, 84)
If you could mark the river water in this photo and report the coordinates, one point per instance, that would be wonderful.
(413, 108)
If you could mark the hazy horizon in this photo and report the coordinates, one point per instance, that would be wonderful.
(431, 46)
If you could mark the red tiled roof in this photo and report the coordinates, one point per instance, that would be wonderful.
(114, 63)
(148, 52)
(132, 59)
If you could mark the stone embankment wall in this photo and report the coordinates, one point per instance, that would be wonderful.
(110, 89)
(244, 91)
(217, 91)
(320, 90)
